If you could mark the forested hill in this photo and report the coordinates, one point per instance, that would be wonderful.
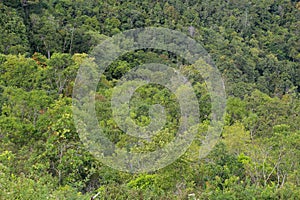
(253, 42)
(255, 45)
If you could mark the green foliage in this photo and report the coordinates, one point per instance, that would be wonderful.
(254, 44)
(19, 71)
(14, 38)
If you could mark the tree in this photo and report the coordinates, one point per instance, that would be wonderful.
(14, 66)
(13, 38)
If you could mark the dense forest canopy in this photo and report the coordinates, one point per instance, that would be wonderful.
(255, 45)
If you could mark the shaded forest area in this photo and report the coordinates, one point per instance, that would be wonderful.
(255, 45)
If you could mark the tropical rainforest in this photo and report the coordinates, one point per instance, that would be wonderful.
(255, 44)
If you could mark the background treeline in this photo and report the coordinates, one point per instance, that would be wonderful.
(256, 46)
